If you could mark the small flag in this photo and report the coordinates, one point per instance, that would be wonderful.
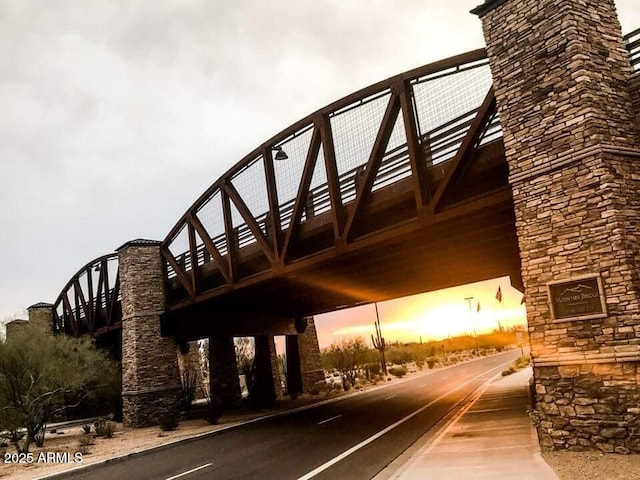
(499, 295)
(522, 302)
(478, 307)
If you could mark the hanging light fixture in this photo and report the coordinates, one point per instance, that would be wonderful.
(280, 154)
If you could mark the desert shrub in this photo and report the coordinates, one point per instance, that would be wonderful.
(86, 428)
(431, 362)
(508, 371)
(105, 428)
(420, 363)
(398, 356)
(168, 422)
(373, 368)
(86, 440)
(398, 371)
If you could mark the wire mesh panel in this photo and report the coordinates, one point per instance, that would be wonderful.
(251, 184)
(395, 162)
(446, 104)
(354, 132)
(241, 233)
(288, 173)
(492, 131)
(179, 248)
(211, 216)
(318, 200)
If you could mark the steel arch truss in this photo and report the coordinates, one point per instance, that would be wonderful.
(90, 302)
(391, 155)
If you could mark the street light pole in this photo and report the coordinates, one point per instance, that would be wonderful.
(468, 299)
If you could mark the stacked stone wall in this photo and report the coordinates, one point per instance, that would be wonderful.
(561, 76)
(150, 376)
(590, 406)
(41, 316)
(310, 361)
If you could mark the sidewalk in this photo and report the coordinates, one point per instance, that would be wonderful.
(492, 438)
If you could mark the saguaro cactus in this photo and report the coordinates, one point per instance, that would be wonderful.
(379, 343)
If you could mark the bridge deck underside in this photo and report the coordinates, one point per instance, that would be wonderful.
(415, 259)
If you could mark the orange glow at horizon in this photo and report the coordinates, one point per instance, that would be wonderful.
(429, 316)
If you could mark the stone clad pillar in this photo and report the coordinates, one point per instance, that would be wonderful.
(150, 376)
(224, 384)
(310, 361)
(268, 386)
(294, 373)
(560, 74)
(41, 315)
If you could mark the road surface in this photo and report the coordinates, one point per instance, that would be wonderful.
(354, 438)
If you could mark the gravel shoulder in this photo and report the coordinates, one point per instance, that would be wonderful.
(593, 465)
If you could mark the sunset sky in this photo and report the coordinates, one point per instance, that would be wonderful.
(432, 316)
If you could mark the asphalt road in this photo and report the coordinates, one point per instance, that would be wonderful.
(354, 438)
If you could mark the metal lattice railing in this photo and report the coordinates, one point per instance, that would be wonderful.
(90, 301)
(445, 103)
(632, 41)
(445, 100)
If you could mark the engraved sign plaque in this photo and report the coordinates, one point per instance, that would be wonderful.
(577, 298)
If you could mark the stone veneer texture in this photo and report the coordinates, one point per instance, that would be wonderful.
(561, 76)
(310, 361)
(150, 375)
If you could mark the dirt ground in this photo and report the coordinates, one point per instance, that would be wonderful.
(594, 465)
(127, 441)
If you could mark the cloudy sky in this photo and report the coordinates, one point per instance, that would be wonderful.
(115, 115)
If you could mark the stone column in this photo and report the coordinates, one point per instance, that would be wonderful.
(310, 361)
(224, 383)
(150, 377)
(267, 387)
(41, 315)
(560, 78)
(294, 373)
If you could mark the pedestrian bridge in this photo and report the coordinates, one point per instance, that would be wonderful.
(398, 189)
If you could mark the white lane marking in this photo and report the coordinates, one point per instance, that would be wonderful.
(390, 397)
(329, 419)
(190, 471)
(374, 437)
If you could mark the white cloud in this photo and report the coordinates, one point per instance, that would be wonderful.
(116, 115)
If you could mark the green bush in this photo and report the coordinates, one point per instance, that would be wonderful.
(398, 371)
(105, 428)
(373, 368)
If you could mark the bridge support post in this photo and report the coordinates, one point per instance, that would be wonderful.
(294, 372)
(268, 386)
(150, 377)
(310, 361)
(41, 315)
(224, 383)
(560, 74)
